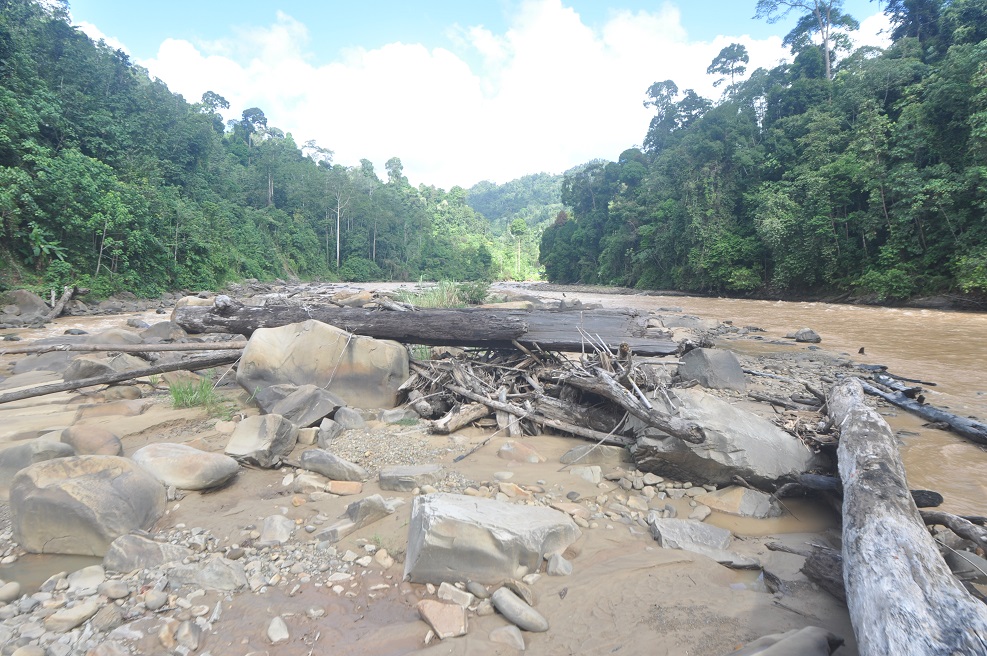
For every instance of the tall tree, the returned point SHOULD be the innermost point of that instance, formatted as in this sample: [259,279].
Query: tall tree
[822,18]
[732,61]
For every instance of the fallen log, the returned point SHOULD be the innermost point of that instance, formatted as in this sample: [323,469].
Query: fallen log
[124,348]
[902,597]
[823,565]
[958,525]
[107,379]
[971,429]
[551,330]
[459,417]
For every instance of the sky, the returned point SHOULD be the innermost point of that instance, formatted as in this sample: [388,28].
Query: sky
[460,91]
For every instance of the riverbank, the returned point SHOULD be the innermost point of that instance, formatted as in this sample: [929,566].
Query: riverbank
[625,591]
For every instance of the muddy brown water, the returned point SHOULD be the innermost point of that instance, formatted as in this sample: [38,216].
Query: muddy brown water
[946,348]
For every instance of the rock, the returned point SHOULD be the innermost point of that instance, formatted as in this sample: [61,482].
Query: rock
[359,514]
[518,612]
[307,405]
[396,415]
[405,478]
[447,620]
[130,552]
[9,592]
[328,431]
[262,440]
[697,537]
[217,573]
[185,467]
[116,408]
[155,599]
[80,504]
[519,452]
[742,501]
[267,397]
[558,566]
[106,619]
[738,443]
[599,454]
[808,641]
[86,580]
[966,566]
[89,366]
[164,331]
[276,529]
[308,436]
[188,635]
[363,371]
[449,592]
[700,513]
[477,589]
[92,440]
[349,419]
[455,537]
[332,466]
[29,650]
[807,335]
[508,635]
[114,589]
[66,619]
[15,458]
[344,488]
[277,631]
[713,369]
[591,474]
[29,305]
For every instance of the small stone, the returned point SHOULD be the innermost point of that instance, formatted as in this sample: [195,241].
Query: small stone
[700,512]
[155,599]
[384,559]
[508,635]
[591,473]
[344,488]
[518,452]
[9,592]
[558,566]
[517,611]
[68,618]
[113,589]
[29,650]
[449,592]
[277,631]
[447,620]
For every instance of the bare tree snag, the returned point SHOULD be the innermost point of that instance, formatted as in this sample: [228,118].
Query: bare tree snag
[67,293]
[971,429]
[551,330]
[902,597]
[107,379]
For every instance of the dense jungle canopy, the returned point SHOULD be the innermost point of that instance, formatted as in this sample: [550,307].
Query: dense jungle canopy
[840,171]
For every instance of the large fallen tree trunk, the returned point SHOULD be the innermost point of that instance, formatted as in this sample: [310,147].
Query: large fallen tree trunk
[125,348]
[108,379]
[901,595]
[969,428]
[551,330]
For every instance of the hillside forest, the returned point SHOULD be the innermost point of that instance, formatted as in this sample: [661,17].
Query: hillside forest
[839,171]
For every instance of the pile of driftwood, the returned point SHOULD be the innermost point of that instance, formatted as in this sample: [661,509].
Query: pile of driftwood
[591,397]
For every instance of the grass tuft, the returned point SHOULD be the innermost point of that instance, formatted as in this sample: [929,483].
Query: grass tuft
[193,394]
[447,294]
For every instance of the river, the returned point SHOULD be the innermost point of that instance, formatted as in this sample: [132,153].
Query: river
[947,348]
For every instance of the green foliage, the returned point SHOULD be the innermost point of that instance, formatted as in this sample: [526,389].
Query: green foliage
[193,393]
[446,294]
[360,269]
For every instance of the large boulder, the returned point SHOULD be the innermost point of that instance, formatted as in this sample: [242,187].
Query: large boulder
[454,537]
[262,440]
[363,371]
[713,369]
[307,405]
[738,443]
[91,440]
[80,504]
[165,331]
[89,366]
[15,458]
[332,466]
[186,467]
[29,306]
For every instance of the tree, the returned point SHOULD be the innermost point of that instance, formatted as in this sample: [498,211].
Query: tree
[823,18]
[732,61]
[519,229]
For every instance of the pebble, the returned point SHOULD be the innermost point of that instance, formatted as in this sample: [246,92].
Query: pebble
[29,650]
[477,589]
[508,635]
[113,589]
[277,631]
[9,592]
[558,566]
[155,599]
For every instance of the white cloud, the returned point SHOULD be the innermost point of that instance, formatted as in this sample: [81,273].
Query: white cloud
[96,34]
[547,94]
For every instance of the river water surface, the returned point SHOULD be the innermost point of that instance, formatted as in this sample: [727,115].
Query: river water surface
[946,348]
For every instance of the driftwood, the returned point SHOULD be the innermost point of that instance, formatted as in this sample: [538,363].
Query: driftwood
[971,429]
[459,417]
[902,597]
[551,330]
[958,525]
[124,348]
[107,379]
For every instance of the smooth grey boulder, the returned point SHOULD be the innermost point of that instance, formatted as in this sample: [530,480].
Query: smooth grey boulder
[130,552]
[262,440]
[405,478]
[453,537]
[307,405]
[267,397]
[364,372]
[15,458]
[332,466]
[89,366]
[697,537]
[217,573]
[713,369]
[518,612]
[349,419]
[80,504]
[29,305]
[186,467]
[164,331]
[738,443]
[807,336]
[359,514]
[328,431]
[88,439]
[597,454]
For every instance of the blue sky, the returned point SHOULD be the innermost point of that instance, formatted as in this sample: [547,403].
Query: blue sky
[460,91]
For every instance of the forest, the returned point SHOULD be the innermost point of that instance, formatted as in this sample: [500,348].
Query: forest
[110,181]
[841,172]
[838,172]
